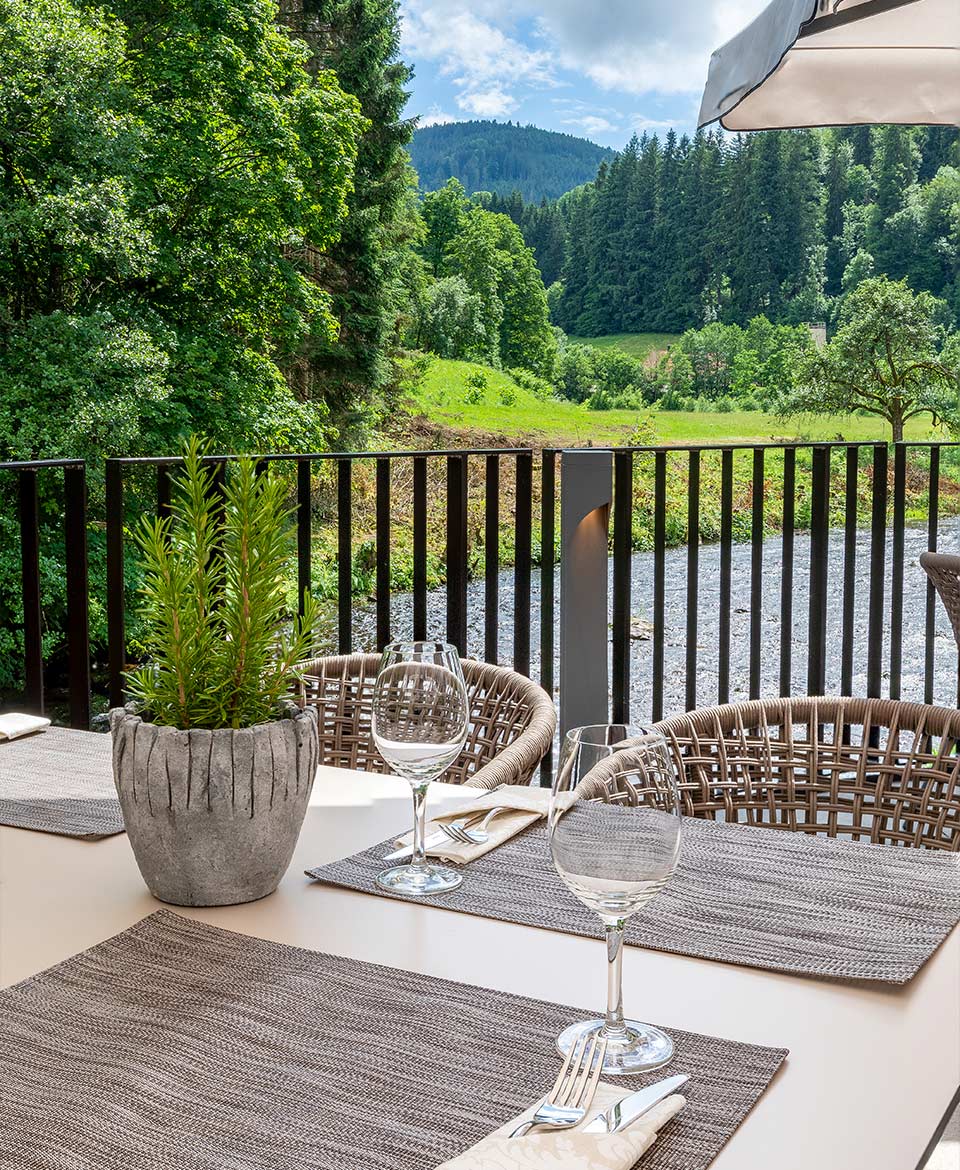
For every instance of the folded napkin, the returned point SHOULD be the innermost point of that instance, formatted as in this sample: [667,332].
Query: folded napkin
[570,1149]
[15,724]
[527,805]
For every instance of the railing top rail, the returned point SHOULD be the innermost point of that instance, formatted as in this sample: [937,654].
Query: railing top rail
[174,460]
[39,464]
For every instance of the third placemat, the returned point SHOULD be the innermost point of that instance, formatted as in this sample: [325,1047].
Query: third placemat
[766,898]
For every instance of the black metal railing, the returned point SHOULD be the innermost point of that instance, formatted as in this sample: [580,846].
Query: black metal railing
[456,551]
[804,579]
[74,517]
[858,643]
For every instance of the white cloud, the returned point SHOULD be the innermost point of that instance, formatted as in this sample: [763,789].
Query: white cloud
[435,117]
[638,46]
[494,102]
[591,124]
[642,124]
[478,56]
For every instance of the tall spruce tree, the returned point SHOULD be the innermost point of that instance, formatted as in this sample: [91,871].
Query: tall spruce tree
[360,41]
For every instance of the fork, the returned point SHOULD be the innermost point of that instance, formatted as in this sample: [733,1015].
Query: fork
[572,1094]
[464,833]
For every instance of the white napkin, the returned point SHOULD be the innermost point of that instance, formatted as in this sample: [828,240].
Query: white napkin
[570,1149]
[15,724]
[527,804]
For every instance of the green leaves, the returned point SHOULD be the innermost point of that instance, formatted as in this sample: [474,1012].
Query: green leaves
[221,653]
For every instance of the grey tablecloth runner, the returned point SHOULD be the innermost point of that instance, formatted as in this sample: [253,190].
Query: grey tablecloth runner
[179,1046]
[758,897]
[59,781]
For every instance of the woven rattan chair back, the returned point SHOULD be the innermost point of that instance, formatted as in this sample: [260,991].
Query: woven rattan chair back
[943,570]
[873,770]
[512,720]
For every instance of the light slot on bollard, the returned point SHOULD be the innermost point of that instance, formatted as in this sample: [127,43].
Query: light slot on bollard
[586,493]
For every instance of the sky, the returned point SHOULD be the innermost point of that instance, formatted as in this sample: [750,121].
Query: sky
[601,69]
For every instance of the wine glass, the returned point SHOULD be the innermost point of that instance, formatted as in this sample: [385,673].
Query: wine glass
[420,721]
[615,837]
[583,747]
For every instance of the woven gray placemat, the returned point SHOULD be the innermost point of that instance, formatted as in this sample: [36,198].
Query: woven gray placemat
[757,897]
[180,1046]
[60,781]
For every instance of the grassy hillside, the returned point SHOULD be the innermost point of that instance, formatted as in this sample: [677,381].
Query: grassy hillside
[505,411]
[637,345]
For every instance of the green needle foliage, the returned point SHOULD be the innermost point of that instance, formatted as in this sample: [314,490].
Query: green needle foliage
[214,601]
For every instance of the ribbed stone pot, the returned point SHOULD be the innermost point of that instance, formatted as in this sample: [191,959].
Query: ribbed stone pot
[214,816]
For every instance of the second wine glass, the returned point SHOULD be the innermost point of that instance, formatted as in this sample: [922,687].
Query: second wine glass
[615,838]
[420,720]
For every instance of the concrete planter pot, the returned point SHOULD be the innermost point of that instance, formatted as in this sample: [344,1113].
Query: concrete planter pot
[214,816]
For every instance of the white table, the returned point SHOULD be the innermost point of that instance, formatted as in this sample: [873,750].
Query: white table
[871,1071]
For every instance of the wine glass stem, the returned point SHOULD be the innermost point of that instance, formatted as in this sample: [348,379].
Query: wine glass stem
[614,1025]
[419,824]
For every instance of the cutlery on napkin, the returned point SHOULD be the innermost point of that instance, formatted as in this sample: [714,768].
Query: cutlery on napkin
[570,1149]
[526,804]
[14,725]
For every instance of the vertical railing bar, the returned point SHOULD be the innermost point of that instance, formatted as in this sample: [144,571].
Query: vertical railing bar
[344,556]
[659,579]
[622,581]
[383,551]
[304,533]
[850,518]
[787,548]
[693,570]
[896,577]
[457,551]
[756,571]
[116,631]
[78,594]
[726,574]
[548,498]
[30,590]
[522,559]
[819,549]
[491,559]
[933,525]
[878,546]
[163,490]
[420,548]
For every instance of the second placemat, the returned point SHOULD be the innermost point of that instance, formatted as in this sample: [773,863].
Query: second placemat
[60,781]
[181,1046]
[756,897]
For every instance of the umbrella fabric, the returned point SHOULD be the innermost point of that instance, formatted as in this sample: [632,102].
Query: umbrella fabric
[822,63]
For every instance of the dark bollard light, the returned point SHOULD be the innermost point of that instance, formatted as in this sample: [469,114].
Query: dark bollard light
[585,500]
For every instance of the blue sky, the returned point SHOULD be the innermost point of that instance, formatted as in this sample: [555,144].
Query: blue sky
[602,69]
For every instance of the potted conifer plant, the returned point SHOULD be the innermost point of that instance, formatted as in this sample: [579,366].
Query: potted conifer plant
[212,762]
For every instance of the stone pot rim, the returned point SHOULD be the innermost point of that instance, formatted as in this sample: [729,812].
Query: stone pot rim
[295,714]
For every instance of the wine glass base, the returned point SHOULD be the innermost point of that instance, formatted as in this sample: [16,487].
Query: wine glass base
[639,1048]
[419,880]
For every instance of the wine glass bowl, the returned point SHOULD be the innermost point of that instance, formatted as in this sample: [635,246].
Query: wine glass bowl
[615,839]
[420,720]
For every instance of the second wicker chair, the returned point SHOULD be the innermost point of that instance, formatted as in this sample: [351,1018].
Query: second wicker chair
[874,770]
[512,720]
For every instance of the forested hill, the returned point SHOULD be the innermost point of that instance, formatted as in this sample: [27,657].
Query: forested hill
[503,157]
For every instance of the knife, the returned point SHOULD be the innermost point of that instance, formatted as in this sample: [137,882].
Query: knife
[431,842]
[629,1109]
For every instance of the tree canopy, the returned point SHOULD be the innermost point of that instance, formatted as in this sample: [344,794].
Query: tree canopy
[886,359]
[162,170]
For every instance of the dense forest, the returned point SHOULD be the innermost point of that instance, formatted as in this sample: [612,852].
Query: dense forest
[676,233]
[502,157]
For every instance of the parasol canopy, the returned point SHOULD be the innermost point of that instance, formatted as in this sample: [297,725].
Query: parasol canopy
[839,63]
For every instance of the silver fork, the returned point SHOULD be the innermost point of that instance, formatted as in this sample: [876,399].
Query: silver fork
[572,1094]
[465,834]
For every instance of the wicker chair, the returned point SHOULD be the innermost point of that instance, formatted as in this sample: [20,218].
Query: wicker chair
[512,720]
[875,770]
[944,573]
